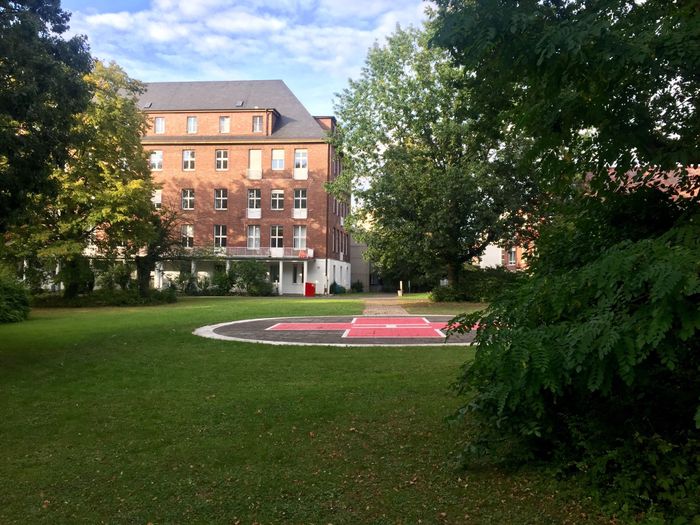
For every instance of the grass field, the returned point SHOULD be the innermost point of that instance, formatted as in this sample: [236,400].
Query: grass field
[122,416]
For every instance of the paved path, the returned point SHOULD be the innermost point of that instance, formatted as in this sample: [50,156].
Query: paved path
[383,306]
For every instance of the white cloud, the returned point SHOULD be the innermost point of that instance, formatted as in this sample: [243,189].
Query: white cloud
[241,22]
[313,44]
[122,20]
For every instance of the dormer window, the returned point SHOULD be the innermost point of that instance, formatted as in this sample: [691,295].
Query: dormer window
[257,124]
[191,124]
[159,125]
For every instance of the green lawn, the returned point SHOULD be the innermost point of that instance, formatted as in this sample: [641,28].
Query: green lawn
[122,416]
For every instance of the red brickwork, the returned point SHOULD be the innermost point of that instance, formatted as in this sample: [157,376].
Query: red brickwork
[325,234]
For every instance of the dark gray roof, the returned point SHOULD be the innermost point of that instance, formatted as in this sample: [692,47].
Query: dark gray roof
[294,122]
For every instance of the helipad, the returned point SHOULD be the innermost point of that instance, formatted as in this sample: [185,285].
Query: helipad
[339,331]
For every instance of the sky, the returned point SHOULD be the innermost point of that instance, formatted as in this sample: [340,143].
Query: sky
[315,46]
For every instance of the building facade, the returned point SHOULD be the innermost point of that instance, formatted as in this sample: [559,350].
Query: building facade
[244,165]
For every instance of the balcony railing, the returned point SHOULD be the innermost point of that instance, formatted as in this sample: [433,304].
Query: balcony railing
[278,253]
[254,173]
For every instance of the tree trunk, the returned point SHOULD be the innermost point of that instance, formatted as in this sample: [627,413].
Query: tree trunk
[452,273]
[144,266]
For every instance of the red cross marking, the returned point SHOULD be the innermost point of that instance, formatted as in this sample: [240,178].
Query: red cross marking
[376,327]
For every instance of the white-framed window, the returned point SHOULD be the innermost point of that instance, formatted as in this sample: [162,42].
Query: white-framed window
[157,199]
[300,199]
[301,164]
[276,236]
[156,161]
[277,159]
[224,124]
[512,256]
[254,199]
[188,199]
[159,125]
[299,238]
[220,236]
[221,156]
[257,124]
[220,199]
[301,159]
[300,211]
[188,159]
[191,124]
[253,237]
[277,200]
[187,235]
[255,164]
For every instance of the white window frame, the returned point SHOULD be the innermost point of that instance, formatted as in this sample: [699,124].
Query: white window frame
[221,199]
[301,164]
[253,237]
[224,124]
[254,171]
[254,198]
[188,160]
[187,235]
[187,198]
[276,236]
[159,125]
[299,238]
[254,210]
[221,159]
[191,124]
[220,236]
[277,160]
[277,200]
[300,206]
[512,256]
[257,124]
[155,161]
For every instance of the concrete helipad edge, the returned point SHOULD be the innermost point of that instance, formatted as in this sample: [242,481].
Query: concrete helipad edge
[208,332]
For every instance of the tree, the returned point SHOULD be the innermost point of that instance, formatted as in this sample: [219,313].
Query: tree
[429,197]
[104,189]
[594,84]
[41,91]
[592,360]
[162,244]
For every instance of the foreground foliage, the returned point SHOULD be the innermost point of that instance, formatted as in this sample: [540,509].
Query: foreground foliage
[594,361]
[104,188]
[14,298]
[41,91]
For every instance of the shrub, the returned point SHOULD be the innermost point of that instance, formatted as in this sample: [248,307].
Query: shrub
[14,298]
[250,277]
[116,274]
[357,287]
[221,283]
[77,276]
[186,283]
[105,297]
[476,284]
[337,289]
[594,365]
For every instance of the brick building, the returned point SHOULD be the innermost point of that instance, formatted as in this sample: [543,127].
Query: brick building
[244,164]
